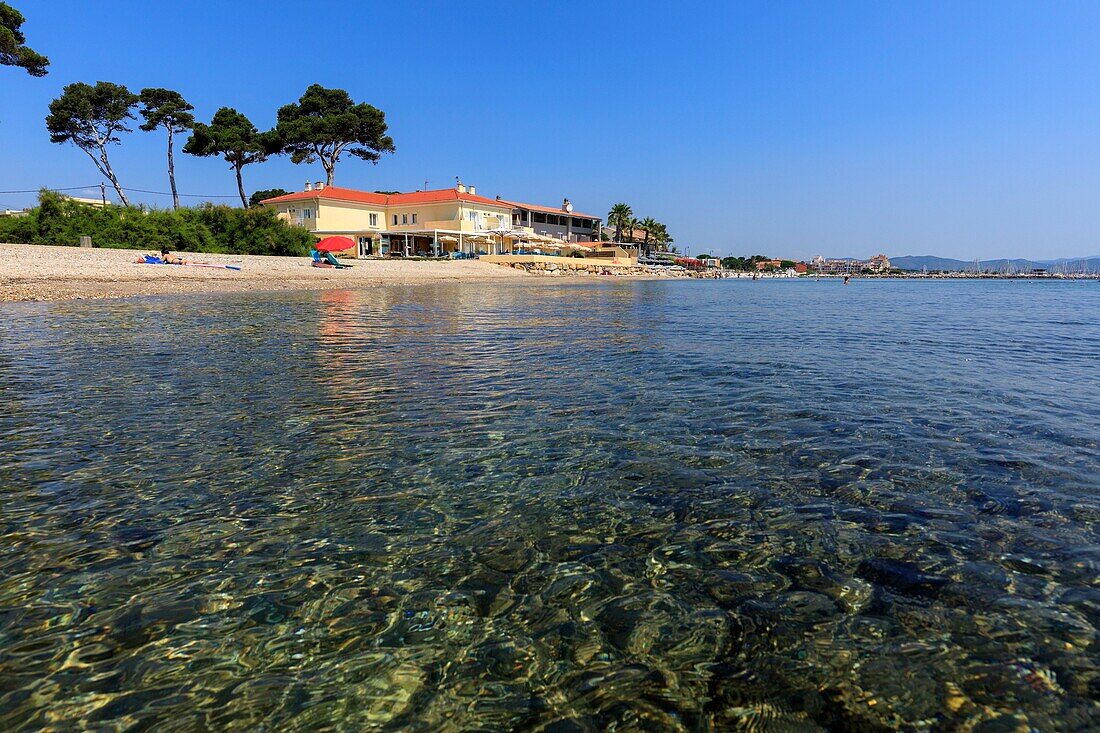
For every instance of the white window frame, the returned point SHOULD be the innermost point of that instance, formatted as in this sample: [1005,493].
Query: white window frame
[374,220]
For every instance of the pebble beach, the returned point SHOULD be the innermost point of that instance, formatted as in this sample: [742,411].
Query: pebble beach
[31,272]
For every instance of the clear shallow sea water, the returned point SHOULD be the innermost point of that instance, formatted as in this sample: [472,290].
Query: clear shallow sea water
[631,506]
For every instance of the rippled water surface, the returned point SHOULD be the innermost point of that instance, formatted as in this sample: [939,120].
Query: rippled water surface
[630,506]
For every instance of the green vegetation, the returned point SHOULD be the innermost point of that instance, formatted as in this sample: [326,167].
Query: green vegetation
[742,264]
[620,217]
[205,228]
[91,118]
[13,48]
[324,124]
[656,235]
[267,193]
[232,136]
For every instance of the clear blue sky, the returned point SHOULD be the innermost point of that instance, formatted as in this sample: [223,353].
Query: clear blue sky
[959,129]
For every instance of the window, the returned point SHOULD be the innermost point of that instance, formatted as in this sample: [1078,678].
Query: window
[414,218]
[395,219]
[307,213]
[538,218]
[523,216]
[404,218]
[374,220]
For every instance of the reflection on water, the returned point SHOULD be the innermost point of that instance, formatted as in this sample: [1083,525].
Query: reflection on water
[639,506]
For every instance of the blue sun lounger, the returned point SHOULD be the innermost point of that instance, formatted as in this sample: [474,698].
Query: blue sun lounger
[331,259]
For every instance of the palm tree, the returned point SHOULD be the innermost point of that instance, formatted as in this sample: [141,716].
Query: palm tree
[632,226]
[662,237]
[619,215]
[650,226]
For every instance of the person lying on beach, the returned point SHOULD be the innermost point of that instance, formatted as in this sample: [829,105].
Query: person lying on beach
[165,258]
[169,259]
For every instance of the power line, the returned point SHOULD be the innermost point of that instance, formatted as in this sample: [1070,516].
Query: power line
[189,195]
[36,190]
[136,190]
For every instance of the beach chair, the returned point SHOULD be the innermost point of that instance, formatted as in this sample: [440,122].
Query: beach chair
[331,259]
[317,261]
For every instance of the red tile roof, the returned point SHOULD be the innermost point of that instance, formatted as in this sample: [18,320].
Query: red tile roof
[546,209]
[444,194]
[332,192]
[380,199]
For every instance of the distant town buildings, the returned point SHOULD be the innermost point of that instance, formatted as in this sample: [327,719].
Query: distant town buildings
[769,264]
[879,264]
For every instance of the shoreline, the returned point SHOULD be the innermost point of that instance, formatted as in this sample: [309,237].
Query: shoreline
[35,272]
[40,272]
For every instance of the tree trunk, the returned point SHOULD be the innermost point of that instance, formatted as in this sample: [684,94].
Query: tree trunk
[330,170]
[240,185]
[172,173]
[110,173]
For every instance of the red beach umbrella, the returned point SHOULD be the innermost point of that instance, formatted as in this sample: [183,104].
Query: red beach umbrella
[334,244]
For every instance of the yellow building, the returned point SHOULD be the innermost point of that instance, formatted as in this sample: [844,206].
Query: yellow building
[422,222]
[438,222]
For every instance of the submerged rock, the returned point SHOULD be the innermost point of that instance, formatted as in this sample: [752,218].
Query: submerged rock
[903,577]
[851,594]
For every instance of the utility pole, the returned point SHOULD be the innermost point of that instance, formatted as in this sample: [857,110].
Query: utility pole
[103,193]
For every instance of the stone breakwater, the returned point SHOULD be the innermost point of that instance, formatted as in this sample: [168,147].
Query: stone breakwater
[584,268]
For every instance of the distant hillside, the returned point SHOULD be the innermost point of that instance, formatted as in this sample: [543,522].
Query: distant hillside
[916,263]
[919,262]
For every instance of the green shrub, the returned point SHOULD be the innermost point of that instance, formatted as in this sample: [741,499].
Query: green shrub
[206,228]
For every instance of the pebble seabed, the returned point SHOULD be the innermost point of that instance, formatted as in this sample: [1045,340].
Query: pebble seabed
[299,555]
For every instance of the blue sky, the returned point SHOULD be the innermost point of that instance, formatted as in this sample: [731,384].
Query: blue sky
[959,129]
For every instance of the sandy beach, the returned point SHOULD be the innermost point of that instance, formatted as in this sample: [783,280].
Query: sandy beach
[40,272]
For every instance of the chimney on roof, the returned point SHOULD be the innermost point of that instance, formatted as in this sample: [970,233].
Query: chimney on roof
[459,185]
[309,186]
[566,205]
[498,197]
[320,186]
[473,190]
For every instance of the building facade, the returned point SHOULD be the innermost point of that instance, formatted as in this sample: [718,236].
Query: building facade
[380,224]
[436,222]
[562,223]
[879,264]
